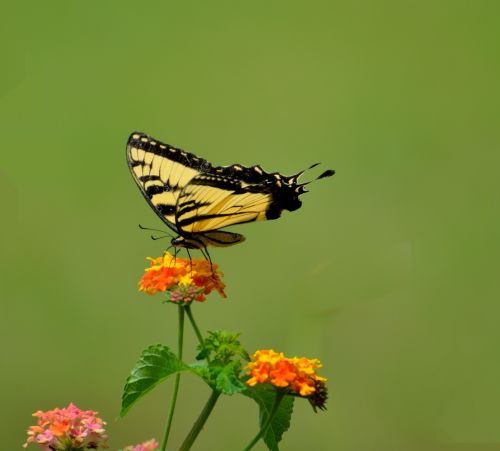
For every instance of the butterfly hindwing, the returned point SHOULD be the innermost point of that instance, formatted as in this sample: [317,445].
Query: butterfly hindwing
[212,201]
[220,238]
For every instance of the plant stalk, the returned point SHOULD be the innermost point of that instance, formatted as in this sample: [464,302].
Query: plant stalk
[180,338]
[200,422]
[193,323]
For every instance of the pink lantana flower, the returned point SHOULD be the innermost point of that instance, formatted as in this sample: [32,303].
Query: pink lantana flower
[67,429]
[150,445]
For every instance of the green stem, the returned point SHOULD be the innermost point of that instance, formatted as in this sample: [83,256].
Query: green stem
[193,323]
[277,401]
[177,379]
[200,422]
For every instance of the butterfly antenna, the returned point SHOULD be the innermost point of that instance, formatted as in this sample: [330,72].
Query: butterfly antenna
[158,237]
[155,230]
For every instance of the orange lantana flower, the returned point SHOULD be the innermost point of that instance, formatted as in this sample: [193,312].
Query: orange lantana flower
[185,279]
[297,374]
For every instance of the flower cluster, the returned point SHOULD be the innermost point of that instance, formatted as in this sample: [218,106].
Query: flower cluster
[150,445]
[67,429]
[297,373]
[184,279]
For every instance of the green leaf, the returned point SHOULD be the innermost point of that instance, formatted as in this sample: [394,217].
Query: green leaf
[201,369]
[227,380]
[281,423]
[224,379]
[223,346]
[156,363]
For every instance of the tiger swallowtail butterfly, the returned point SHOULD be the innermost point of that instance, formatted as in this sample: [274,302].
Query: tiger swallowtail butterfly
[196,199]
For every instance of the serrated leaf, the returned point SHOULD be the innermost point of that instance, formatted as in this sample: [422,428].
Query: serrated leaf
[281,423]
[227,380]
[201,369]
[155,364]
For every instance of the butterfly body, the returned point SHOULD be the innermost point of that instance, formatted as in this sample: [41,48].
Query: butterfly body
[196,199]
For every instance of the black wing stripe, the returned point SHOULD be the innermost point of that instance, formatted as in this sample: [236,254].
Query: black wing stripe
[149,178]
[193,219]
[190,206]
[156,189]
[228,184]
[166,209]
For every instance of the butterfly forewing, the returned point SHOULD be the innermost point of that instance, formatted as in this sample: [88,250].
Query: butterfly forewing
[161,172]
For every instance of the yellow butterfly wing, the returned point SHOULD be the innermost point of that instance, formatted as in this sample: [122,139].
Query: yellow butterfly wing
[162,171]
[210,202]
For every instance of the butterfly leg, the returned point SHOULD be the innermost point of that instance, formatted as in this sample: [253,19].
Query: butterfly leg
[176,251]
[190,260]
[206,254]
[167,249]
[202,250]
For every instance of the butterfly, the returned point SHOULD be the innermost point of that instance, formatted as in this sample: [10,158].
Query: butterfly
[196,199]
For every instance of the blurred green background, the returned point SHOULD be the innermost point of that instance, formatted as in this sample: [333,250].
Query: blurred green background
[388,273]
